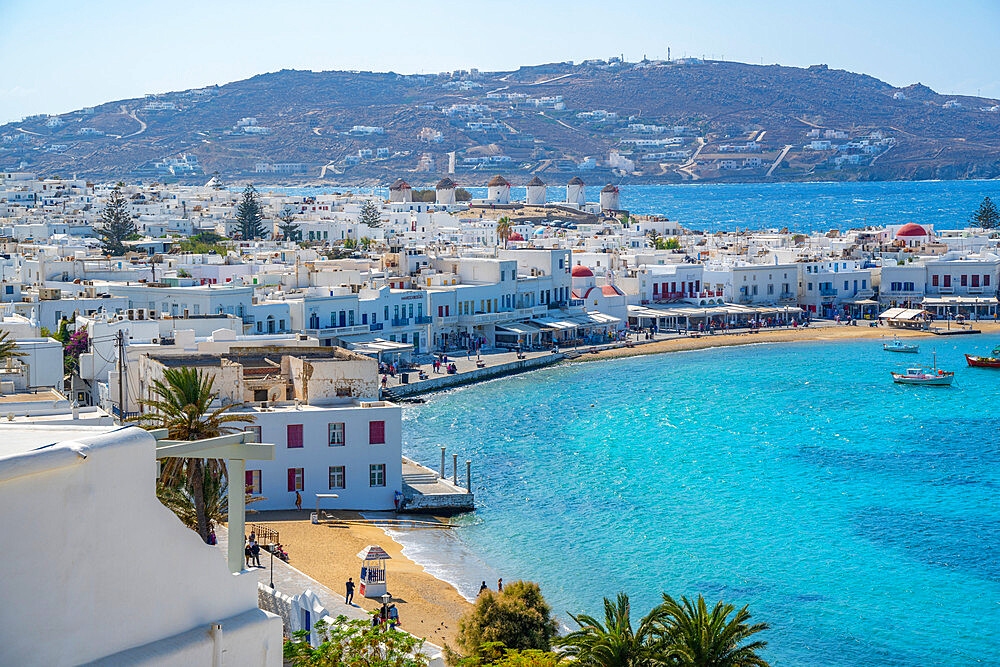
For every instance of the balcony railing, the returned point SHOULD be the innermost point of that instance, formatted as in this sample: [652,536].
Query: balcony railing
[400,321]
[422,319]
[375,327]
[828,291]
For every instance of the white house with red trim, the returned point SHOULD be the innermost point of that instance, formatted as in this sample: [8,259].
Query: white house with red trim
[607,299]
[319,407]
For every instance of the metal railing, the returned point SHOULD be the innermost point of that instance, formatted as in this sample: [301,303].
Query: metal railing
[265,536]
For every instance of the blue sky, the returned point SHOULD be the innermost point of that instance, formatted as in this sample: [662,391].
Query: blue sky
[60,56]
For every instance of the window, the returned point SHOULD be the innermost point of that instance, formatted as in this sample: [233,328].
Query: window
[934,280]
[376,474]
[947,281]
[259,395]
[296,478]
[965,280]
[986,280]
[255,430]
[337,434]
[975,280]
[337,477]
[376,433]
[253,482]
[294,435]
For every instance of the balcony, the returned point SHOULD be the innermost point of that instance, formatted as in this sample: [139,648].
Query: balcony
[337,331]
[743,298]
[400,321]
[422,319]
[575,303]
[375,327]
[786,296]
[828,291]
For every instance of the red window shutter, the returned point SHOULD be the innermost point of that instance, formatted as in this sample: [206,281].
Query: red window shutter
[249,479]
[294,435]
[376,433]
[291,479]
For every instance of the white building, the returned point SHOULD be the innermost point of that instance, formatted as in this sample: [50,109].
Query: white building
[114,576]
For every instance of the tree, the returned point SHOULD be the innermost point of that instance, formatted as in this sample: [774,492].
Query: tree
[250,215]
[369,214]
[117,223]
[8,348]
[504,230]
[699,638]
[354,643]
[76,344]
[625,220]
[183,406]
[519,618]
[180,499]
[615,643]
[289,230]
[498,655]
[673,243]
[987,216]
[203,244]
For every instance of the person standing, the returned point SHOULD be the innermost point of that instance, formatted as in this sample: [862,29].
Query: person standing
[500,585]
[255,552]
[246,552]
[483,588]
[350,590]
[298,500]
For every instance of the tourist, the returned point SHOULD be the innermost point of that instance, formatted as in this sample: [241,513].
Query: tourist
[255,552]
[212,539]
[350,590]
[500,585]
[483,588]
[247,553]
[298,500]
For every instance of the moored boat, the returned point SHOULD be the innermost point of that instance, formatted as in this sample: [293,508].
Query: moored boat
[984,362]
[932,377]
[899,346]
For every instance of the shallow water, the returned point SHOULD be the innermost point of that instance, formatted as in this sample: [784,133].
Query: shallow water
[858,517]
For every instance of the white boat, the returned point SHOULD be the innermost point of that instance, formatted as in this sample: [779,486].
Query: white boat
[932,377]
[899,346]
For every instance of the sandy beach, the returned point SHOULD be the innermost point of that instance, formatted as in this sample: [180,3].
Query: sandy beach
[428,607]
[838,332]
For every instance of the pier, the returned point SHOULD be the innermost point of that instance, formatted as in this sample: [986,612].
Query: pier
[426,491]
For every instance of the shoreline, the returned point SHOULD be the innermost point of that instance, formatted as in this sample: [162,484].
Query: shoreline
[429,603]
[823,333]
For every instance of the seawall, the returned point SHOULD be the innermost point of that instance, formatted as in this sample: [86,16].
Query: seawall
[445,381]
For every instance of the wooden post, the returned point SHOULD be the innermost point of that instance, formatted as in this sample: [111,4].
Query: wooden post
[442,462]
[236,469]
[468,475]
[454,469]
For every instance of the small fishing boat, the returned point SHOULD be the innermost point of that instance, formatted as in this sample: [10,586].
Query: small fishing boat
[984,362]
[932,377]
[899,346]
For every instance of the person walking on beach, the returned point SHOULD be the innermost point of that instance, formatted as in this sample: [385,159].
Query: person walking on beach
[483,588]
[298,500]
[350,590]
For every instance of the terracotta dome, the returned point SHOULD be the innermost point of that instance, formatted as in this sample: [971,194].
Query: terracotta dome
[580,271]
[911,229]
[515,237]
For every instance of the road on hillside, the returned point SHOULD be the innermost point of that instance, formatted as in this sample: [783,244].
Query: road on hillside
[781,156]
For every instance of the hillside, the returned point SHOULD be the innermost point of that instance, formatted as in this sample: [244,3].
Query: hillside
[641,122]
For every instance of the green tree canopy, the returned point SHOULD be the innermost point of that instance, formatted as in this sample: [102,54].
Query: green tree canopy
[698,637]
[117,225]
[615,643]
[354,643]
[987,216]
[369,214]
[289,230]
[250,215]
[519,618]
[182,405]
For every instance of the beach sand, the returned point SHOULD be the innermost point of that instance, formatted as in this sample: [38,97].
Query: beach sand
[428,607]
[839,332]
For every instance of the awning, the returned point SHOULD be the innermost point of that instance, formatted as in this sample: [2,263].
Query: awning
[524,328]
[602,318]
[902,314]
[373,552]
[380,345]
[550,323]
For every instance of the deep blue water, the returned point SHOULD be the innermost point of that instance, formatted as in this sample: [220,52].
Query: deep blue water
[859,518]
[802,207]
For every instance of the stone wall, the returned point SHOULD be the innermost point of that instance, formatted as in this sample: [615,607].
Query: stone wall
[478,375]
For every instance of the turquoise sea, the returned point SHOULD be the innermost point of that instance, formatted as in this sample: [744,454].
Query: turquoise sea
[859,518]
[802,207]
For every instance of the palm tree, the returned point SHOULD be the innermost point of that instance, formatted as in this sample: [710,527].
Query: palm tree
[699,638]
[9,349]
[183,406]
[615,643]
[181,500]
[504,230]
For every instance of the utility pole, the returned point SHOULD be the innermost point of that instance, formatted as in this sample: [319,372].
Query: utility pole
[121,376]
